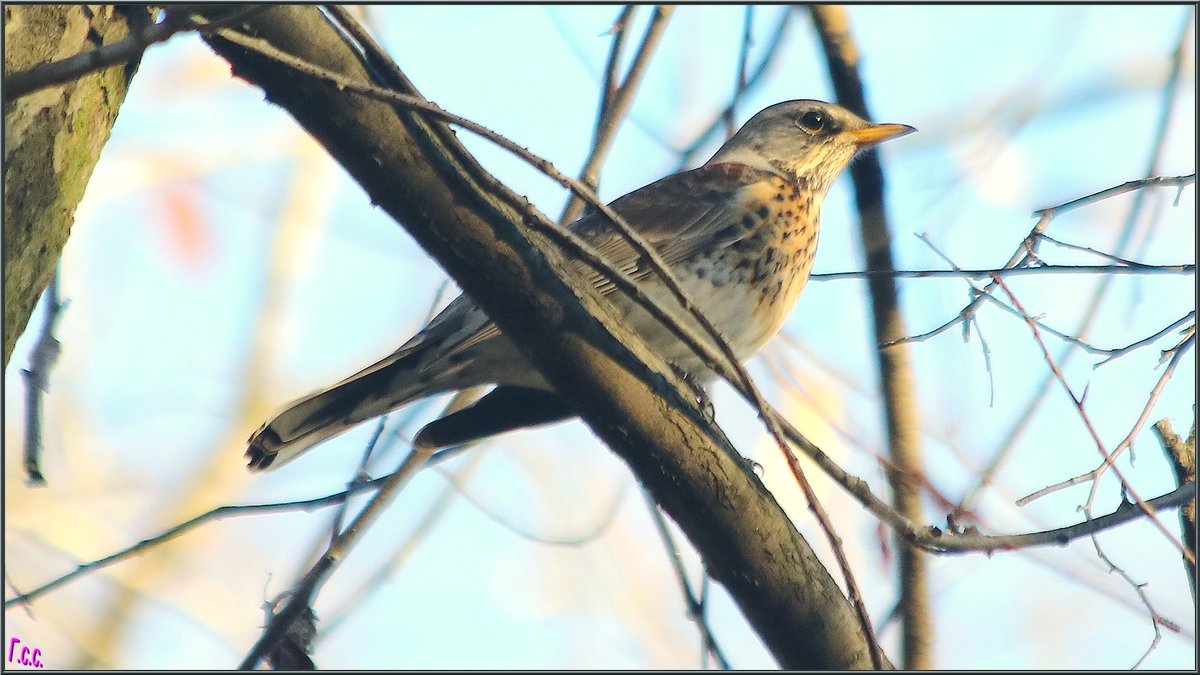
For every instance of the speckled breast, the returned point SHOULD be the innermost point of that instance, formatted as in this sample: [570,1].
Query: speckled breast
[748,287]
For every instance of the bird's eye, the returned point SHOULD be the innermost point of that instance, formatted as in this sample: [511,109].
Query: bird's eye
[812,121]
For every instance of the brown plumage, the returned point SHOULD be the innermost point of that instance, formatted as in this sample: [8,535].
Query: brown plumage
[739,233]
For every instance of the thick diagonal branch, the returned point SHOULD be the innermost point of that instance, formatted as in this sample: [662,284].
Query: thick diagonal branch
[416,171]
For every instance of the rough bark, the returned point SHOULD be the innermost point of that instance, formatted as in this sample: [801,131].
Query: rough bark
[1181,454]
[417,172]
[52,140]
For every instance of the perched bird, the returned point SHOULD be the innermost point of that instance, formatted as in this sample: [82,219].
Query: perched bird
[739,233]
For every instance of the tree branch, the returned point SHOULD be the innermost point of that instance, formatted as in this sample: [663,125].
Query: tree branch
[1182,456]
[418,173]
[970,541]
[616,101]
[37,382]
[178,20]
[895,369]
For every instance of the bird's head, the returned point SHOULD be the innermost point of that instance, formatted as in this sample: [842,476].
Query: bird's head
[809,141]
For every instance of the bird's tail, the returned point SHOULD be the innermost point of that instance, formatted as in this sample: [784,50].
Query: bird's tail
[374,391]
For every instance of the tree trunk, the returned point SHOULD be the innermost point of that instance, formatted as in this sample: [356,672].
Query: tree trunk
[52,139]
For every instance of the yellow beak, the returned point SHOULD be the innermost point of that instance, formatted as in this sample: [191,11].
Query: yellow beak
[877,133]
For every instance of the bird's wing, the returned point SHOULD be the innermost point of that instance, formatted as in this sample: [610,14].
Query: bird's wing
[704,209]
[681,216]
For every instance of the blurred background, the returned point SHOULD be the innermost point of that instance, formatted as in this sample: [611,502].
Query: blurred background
[221,265]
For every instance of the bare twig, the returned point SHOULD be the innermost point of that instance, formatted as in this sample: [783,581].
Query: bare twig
[1156,619]
[739,88]
[460,399]
[1170,87]
[178,19]
[971,322]
[1125,485]
[1023,262]
[1088,249]
[432,516]
[37,382]
[590,534]
[772,51]
[301,593]
[1174,355]
[360,476]
[1112,353]
[608,88]
[971,541]
[292,652]
[25,606]
[1121,351]
[178,530]
[616,100]
[832,24]
[695,607]
[1131,268]
[1178,182]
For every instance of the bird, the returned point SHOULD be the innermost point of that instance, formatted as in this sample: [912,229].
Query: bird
[739,233]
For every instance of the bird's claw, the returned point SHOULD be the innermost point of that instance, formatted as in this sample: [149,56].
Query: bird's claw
[698,390]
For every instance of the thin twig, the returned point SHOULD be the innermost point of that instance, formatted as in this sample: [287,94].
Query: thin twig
[1131,268]
[303,590]
[574,540]
[1086,346]
[1125,485]
[1170,87]
[608,88]
[9,582]
[1021,259]
[695,608]
[971,322]
[971,541]
[616,101]
[1176,353]
[186,526]
[1088,249]
[1178,182]
[178,19]
[770,54]
[1121,351]
[425,525]
[1156,619]
[37,382]
[894,365]
[360,476]
[361,473]
[739,88]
